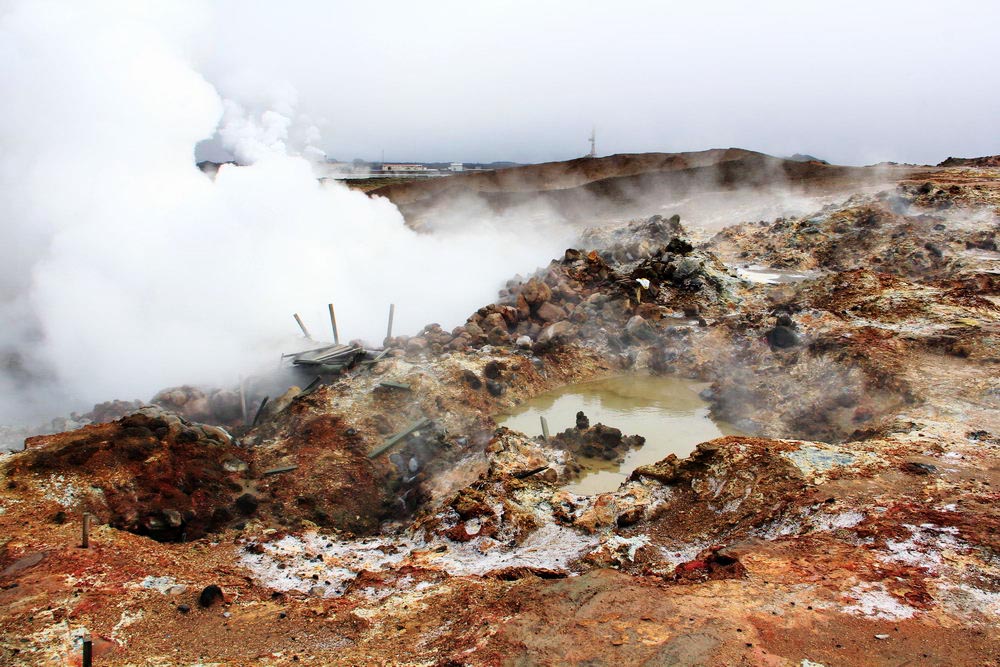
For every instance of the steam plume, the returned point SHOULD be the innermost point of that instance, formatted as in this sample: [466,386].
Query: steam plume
[124,269]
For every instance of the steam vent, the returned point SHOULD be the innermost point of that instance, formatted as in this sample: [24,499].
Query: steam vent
[712,408]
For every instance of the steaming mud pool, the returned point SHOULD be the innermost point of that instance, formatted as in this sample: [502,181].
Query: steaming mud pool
[665,410]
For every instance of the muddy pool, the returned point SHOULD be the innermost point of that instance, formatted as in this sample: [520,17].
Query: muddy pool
[666,410]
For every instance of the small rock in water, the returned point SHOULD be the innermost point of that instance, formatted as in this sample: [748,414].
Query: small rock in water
[582,422]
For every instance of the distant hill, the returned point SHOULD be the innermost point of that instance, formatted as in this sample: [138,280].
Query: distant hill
[621,185]
[985,161]
[802,157]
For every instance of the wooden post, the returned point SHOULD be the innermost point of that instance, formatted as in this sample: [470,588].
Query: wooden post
[85,542]
[302,326]
[545,428]
[392,313]
[333,323]
[88,652]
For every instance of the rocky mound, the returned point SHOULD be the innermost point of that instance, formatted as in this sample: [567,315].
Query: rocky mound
[151,473]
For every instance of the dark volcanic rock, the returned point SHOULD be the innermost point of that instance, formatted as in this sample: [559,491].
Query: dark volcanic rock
[781,337]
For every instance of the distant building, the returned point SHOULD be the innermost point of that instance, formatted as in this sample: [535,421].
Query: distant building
[456,166]
[408,168]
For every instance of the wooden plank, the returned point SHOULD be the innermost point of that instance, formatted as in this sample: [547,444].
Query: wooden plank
[399,437]
[302,326]
[276,471]
[395,385]
[310,388]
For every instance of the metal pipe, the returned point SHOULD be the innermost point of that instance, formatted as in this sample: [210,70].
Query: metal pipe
[545,428]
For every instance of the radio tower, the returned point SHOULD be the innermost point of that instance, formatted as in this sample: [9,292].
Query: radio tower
[593,142]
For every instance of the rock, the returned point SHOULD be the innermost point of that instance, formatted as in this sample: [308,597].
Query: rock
[495,388]
[234,465]
[416,344]
[491,371]
[679,246]
[183,608]
[917,468]
[785,320]
[511,315]
[782,337]
[572,255]
[494,321]
[523,309]
[602,514]
[556,333]
[523,342]
[472,379]
[550,312]
[582,422]
[686,267]
[498,336]
[247,503]
[882,637]
[173,518]
[639,328]
[535,293]
[458,344]
[210,595]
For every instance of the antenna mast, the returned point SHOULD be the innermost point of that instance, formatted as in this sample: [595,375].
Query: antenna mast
[593,142]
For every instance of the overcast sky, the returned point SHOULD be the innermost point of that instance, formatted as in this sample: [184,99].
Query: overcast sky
[852,82]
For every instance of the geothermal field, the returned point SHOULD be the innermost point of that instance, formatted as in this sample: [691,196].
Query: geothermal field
[263,407]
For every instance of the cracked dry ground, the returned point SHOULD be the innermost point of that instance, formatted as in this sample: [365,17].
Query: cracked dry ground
[855,524]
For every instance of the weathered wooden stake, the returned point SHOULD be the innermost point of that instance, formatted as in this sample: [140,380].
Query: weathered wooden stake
[333,322]
[85,542]
[545,428]
[305,332]
[88,652]
[392,313]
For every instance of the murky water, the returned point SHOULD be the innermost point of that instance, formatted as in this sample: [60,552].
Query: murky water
[667,411]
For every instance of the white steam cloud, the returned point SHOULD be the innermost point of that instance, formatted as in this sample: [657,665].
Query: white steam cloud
[124,269]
